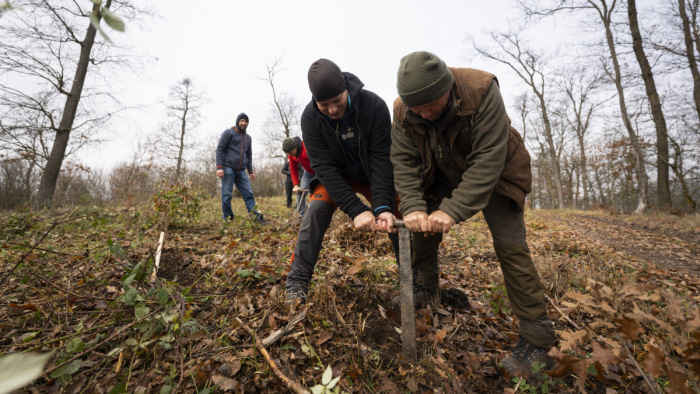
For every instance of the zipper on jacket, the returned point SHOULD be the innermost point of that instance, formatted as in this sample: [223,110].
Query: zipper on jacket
[240,164]
[436,143]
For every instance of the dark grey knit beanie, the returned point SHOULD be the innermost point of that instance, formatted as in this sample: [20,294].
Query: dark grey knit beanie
[288,145]
[423,77]
[325,80]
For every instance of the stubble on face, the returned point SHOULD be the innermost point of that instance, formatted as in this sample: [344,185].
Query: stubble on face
[334,108]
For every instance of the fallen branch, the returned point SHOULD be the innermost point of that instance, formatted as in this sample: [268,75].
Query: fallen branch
[341,319]
[652,387]
[562,313]
[278,334]
[294,386]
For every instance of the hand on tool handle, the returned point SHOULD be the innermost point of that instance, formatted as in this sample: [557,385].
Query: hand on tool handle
[383,223]
[437,222]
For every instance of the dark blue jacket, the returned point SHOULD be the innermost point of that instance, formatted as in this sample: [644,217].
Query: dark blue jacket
[328,159]
[235,149]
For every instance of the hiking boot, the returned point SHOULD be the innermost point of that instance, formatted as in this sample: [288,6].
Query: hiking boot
[421,294]
[296,292]
[527,360]
[261,219]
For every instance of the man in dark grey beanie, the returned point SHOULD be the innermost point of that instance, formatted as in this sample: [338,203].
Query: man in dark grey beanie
[453,122]
[347,134]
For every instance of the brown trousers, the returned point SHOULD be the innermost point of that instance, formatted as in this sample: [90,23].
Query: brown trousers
[505,220]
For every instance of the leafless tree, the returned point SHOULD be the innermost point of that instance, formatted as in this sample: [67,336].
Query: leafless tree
[184,103]
[605,11]
[46,49]
[284,118]
[580,87]
[657,114]
[531,66]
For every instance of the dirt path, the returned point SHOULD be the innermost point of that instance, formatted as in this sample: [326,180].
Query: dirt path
[659,245]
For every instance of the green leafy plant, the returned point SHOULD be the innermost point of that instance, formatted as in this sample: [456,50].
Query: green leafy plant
[328,383]
[177,204]
[499,300]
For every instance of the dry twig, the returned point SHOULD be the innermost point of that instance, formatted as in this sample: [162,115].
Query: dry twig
[278,334]
[562,313]
[294,386]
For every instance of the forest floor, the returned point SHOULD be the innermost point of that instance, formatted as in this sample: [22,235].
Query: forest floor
[623,291]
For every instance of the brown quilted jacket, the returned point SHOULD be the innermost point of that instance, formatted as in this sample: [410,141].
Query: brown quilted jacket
[483,145]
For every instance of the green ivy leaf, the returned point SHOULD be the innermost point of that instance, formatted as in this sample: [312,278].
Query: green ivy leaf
[75,345]
[131,297]
[245,273]
[163,296]
[141,311]
[68,369]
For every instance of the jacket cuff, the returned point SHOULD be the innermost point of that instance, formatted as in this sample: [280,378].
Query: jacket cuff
[380,210]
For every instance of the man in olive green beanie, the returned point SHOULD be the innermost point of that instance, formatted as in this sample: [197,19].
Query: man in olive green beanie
[453,122]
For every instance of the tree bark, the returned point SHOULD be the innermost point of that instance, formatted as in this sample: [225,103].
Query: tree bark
[642,197]
[690,54]
[183,130]
[47,186]
[662,170]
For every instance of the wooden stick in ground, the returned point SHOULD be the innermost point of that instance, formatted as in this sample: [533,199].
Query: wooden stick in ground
[408,311]
[279,334]
[156,266]
[294,386]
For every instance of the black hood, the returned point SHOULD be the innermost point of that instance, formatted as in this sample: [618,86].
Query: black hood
[242,115]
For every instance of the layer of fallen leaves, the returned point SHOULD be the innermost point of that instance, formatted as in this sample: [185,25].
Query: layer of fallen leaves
[623,321]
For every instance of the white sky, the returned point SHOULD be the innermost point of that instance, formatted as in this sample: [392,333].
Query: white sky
[223,46]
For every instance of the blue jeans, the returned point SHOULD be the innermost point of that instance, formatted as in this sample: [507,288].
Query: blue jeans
[240,179]
[304,184]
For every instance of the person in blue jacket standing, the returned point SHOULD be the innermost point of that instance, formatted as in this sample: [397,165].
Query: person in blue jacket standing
[234,165]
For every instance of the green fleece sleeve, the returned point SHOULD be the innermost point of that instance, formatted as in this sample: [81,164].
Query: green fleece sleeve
[489,139]
[407,178]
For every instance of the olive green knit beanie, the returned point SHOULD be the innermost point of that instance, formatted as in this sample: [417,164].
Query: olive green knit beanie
[423,77]
[288,145]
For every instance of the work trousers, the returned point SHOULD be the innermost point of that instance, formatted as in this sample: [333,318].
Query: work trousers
[504,218]
[312,230]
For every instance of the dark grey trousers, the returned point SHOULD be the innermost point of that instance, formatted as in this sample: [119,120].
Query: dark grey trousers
[310,240]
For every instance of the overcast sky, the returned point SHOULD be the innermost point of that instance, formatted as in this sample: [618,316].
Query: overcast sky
[224,45]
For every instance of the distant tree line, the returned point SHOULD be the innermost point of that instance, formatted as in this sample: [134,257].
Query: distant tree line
[611,119]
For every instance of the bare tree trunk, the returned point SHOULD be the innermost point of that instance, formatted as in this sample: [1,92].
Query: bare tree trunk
[183,129]
[677,167]
[690,54]
[556,168]
[662,171]
[642,197]
[47,186]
